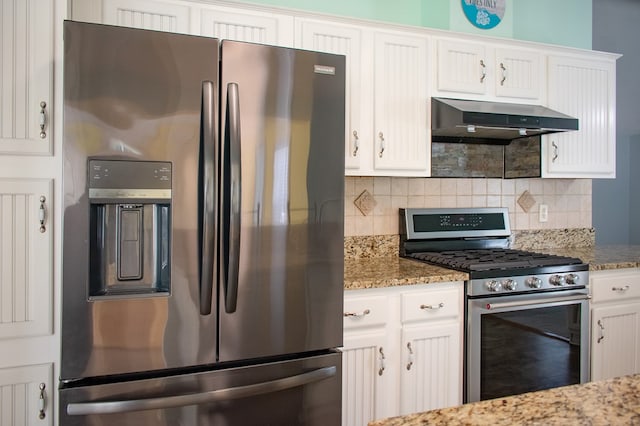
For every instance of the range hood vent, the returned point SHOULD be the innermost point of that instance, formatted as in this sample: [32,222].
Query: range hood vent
[465,121]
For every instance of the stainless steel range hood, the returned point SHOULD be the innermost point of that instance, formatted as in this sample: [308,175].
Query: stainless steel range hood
[465,121]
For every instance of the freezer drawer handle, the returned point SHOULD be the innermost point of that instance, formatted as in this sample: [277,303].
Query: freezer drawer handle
[124,406]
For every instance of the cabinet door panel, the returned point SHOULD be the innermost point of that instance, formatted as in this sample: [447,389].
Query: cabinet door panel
[365,372]
[146,14]
[584,89]
[402,139]
[20,393]
[518,73]
[343,40]
[615,342]
[264,28]
[25,258]
[462,67]
[431,367]
[26,50]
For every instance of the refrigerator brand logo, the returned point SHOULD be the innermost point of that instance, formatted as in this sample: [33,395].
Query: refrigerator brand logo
[324,69]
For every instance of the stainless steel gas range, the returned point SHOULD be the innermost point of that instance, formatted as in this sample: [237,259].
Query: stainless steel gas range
[526,313]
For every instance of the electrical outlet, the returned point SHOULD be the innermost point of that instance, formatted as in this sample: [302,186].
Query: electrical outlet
[543,213]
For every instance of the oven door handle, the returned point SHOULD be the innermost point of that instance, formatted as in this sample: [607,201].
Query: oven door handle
[491,306]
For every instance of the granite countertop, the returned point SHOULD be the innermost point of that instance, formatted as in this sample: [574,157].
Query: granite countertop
[607,402]
[392,271]
[389,271]
[602,257]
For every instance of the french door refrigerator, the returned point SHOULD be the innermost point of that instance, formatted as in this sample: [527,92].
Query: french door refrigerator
[203,231]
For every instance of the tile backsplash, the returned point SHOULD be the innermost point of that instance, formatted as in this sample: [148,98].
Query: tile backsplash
[568,200]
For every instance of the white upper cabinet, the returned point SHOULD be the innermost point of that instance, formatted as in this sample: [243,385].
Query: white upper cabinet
[489,71]
[386,125]
[26,85]
[245,25]
[145,14]
[585,88]
[344,40]
[462,67]
[402,141]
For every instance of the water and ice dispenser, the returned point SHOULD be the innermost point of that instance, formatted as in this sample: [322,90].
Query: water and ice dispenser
[130,228]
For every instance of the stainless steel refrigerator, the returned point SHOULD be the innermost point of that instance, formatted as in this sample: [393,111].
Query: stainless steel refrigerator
[203,231]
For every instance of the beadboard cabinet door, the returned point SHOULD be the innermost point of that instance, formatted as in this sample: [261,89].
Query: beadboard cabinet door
[26,395]
[616,341]
[26,258]
[144,14]
[244,25]
[430,377]
[401,131]
[584,88]
[26,76]
[343,40]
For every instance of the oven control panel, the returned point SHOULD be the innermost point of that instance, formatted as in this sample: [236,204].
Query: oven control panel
[564,280]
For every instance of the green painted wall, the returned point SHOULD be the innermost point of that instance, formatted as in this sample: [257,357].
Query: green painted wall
[563,22]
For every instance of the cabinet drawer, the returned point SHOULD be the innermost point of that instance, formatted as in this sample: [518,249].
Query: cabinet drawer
[421,306]
[615,287]
[365,311]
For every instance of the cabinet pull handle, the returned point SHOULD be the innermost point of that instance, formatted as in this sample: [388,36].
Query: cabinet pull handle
[357,315]
[601,331]
[356,143]
[382,358]
[381,136]
[555,151]
[42,402]
[410,363]
[483,71]
[43,119]
[620,289]
[42,214]
[504,74]
[438,306]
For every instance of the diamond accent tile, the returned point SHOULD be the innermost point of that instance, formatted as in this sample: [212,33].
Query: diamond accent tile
[526,201]
[365,202]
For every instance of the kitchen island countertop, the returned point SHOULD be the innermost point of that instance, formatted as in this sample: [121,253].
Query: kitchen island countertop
[607,402]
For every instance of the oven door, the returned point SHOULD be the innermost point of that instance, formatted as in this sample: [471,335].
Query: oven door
[525,343]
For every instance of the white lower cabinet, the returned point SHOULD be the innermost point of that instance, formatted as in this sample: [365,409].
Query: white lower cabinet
[26,395]
[402,351]
[615,323]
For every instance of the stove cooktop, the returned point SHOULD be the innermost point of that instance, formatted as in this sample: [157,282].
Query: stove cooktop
[493,259]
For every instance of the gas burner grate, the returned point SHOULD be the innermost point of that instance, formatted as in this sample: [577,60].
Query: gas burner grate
[493,259]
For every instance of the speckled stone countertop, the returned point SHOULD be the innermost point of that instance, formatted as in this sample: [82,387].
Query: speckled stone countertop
[607,402]
[602,257]
[392,271]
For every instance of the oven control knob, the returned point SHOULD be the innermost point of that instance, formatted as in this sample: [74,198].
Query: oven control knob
[533,282]
[494,285]
[572,278]
[510,284]
[557,280]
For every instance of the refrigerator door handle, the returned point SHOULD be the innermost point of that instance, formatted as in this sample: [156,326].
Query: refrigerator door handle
[234,142]
[111,407]
[207,180]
